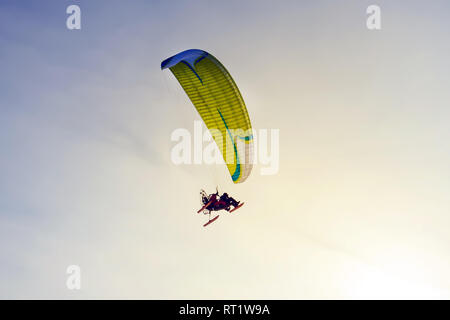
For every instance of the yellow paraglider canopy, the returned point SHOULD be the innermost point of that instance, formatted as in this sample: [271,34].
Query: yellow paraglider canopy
[218,101]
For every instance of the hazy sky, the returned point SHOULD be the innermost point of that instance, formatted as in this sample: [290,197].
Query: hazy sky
[359,209]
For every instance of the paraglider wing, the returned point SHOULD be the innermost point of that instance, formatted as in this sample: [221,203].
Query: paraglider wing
[218,101]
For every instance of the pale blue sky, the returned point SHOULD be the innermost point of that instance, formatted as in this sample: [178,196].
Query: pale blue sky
[359,208]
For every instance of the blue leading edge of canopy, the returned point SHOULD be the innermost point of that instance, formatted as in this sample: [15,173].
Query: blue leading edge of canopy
[189,57]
